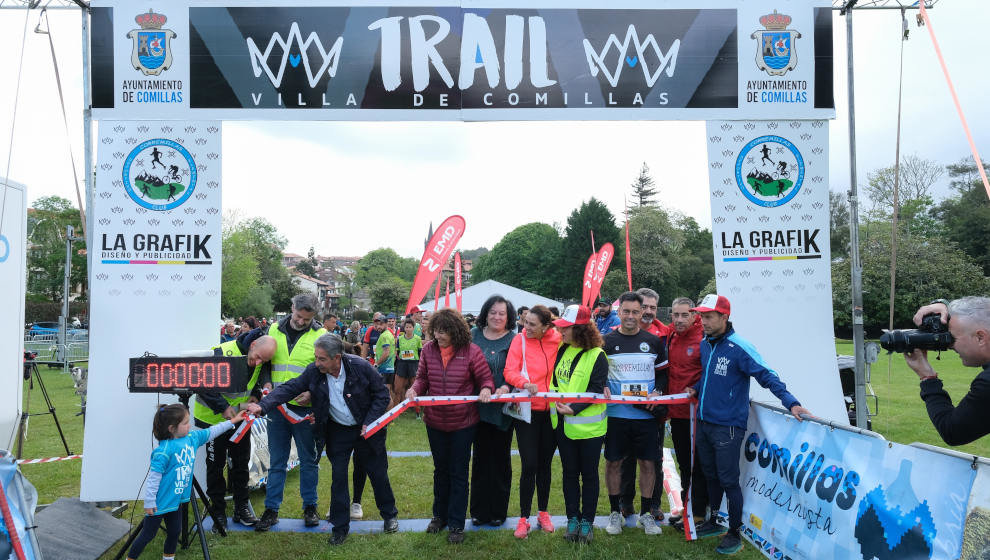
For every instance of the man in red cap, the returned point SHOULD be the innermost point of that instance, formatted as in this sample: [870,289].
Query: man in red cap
[416,314]
[728,362]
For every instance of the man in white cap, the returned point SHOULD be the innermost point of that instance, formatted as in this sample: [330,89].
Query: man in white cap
[728,361]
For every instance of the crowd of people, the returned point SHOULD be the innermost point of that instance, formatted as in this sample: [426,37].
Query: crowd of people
[321,384]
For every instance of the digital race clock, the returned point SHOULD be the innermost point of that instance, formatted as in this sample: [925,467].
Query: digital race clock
[215,374]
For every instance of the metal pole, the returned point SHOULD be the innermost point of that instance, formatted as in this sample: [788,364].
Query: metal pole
[855,264]
[87,146]
[63,351]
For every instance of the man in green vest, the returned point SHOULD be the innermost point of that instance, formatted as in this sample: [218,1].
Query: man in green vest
[294,336]
[211,409]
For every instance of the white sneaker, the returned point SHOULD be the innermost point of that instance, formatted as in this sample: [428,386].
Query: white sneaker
[356,512]
[648,524]
[615,522]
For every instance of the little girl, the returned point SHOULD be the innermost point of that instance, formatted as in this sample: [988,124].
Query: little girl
[170,478]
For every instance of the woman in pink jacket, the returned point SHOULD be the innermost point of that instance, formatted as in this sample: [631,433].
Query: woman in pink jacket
[529,366]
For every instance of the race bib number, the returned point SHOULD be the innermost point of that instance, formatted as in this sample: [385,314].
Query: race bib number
[634,390]
[408,355]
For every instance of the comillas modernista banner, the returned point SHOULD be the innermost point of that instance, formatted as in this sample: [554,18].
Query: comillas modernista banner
[154,282]
[468,60]
[811,491]
[770,228]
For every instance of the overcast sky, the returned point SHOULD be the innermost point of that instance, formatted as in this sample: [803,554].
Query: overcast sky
[347,188]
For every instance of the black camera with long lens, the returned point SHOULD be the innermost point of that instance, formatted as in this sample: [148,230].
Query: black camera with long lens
[933,334]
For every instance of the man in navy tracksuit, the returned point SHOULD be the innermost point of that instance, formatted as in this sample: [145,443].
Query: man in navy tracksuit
[727,361]
[347,394]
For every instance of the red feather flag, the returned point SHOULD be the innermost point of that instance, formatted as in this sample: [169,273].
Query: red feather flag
[436,295]
[602,263]
[457,278]
[628,258]
[586,282]
[446,295]
[437,253]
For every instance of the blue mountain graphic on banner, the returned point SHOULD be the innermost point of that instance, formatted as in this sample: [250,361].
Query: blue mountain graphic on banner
[892,524]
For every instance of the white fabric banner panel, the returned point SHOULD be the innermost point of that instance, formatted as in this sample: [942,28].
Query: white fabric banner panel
[154,282]
[13,236]
[770,228]
[463,60]
[811,491]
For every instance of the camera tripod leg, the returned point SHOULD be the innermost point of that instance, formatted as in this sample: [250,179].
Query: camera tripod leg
[34,373]
[199,520]
[51,409]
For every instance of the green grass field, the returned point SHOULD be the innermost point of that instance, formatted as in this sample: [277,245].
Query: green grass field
[902,419]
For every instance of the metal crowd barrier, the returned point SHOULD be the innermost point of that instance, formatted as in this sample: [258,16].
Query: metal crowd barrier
[48,350]
[45,346]
[77,352]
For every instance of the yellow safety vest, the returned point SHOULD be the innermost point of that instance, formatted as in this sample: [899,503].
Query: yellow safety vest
[592,421]
[204,413]
[288,366]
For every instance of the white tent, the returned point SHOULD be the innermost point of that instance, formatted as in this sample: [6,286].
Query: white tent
[474,297]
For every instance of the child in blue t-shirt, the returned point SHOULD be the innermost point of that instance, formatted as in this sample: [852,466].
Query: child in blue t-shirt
[170,476]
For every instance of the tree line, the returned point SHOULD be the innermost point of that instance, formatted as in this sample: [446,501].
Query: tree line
[943,250]
[942,246]
[670,252]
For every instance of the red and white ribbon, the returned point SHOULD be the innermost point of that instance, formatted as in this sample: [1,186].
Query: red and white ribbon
[292,417]
[672,484]
[591,398]
[244,428]
[47,460]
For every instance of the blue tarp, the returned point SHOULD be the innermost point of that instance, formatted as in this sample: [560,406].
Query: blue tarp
[21,499]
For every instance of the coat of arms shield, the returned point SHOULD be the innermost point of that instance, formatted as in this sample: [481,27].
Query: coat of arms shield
[152,52]
[775,52]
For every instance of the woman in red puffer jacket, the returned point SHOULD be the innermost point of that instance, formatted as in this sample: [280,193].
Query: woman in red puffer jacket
[451,365]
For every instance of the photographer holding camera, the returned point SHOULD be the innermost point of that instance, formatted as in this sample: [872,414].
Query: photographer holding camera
[968,321]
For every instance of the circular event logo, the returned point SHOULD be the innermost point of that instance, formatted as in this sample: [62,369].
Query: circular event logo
[159,174]
[4,248]
[774,171]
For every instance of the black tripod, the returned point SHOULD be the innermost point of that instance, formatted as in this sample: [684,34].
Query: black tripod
[31,374]
[185,539]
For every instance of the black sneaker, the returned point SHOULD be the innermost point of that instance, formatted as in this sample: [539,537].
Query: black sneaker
[219,522]
[244,515]
[436,525]
[310,517]
[731,543]
[455,536]
[337,539]
[710,529]
[391,525]
[267,521]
